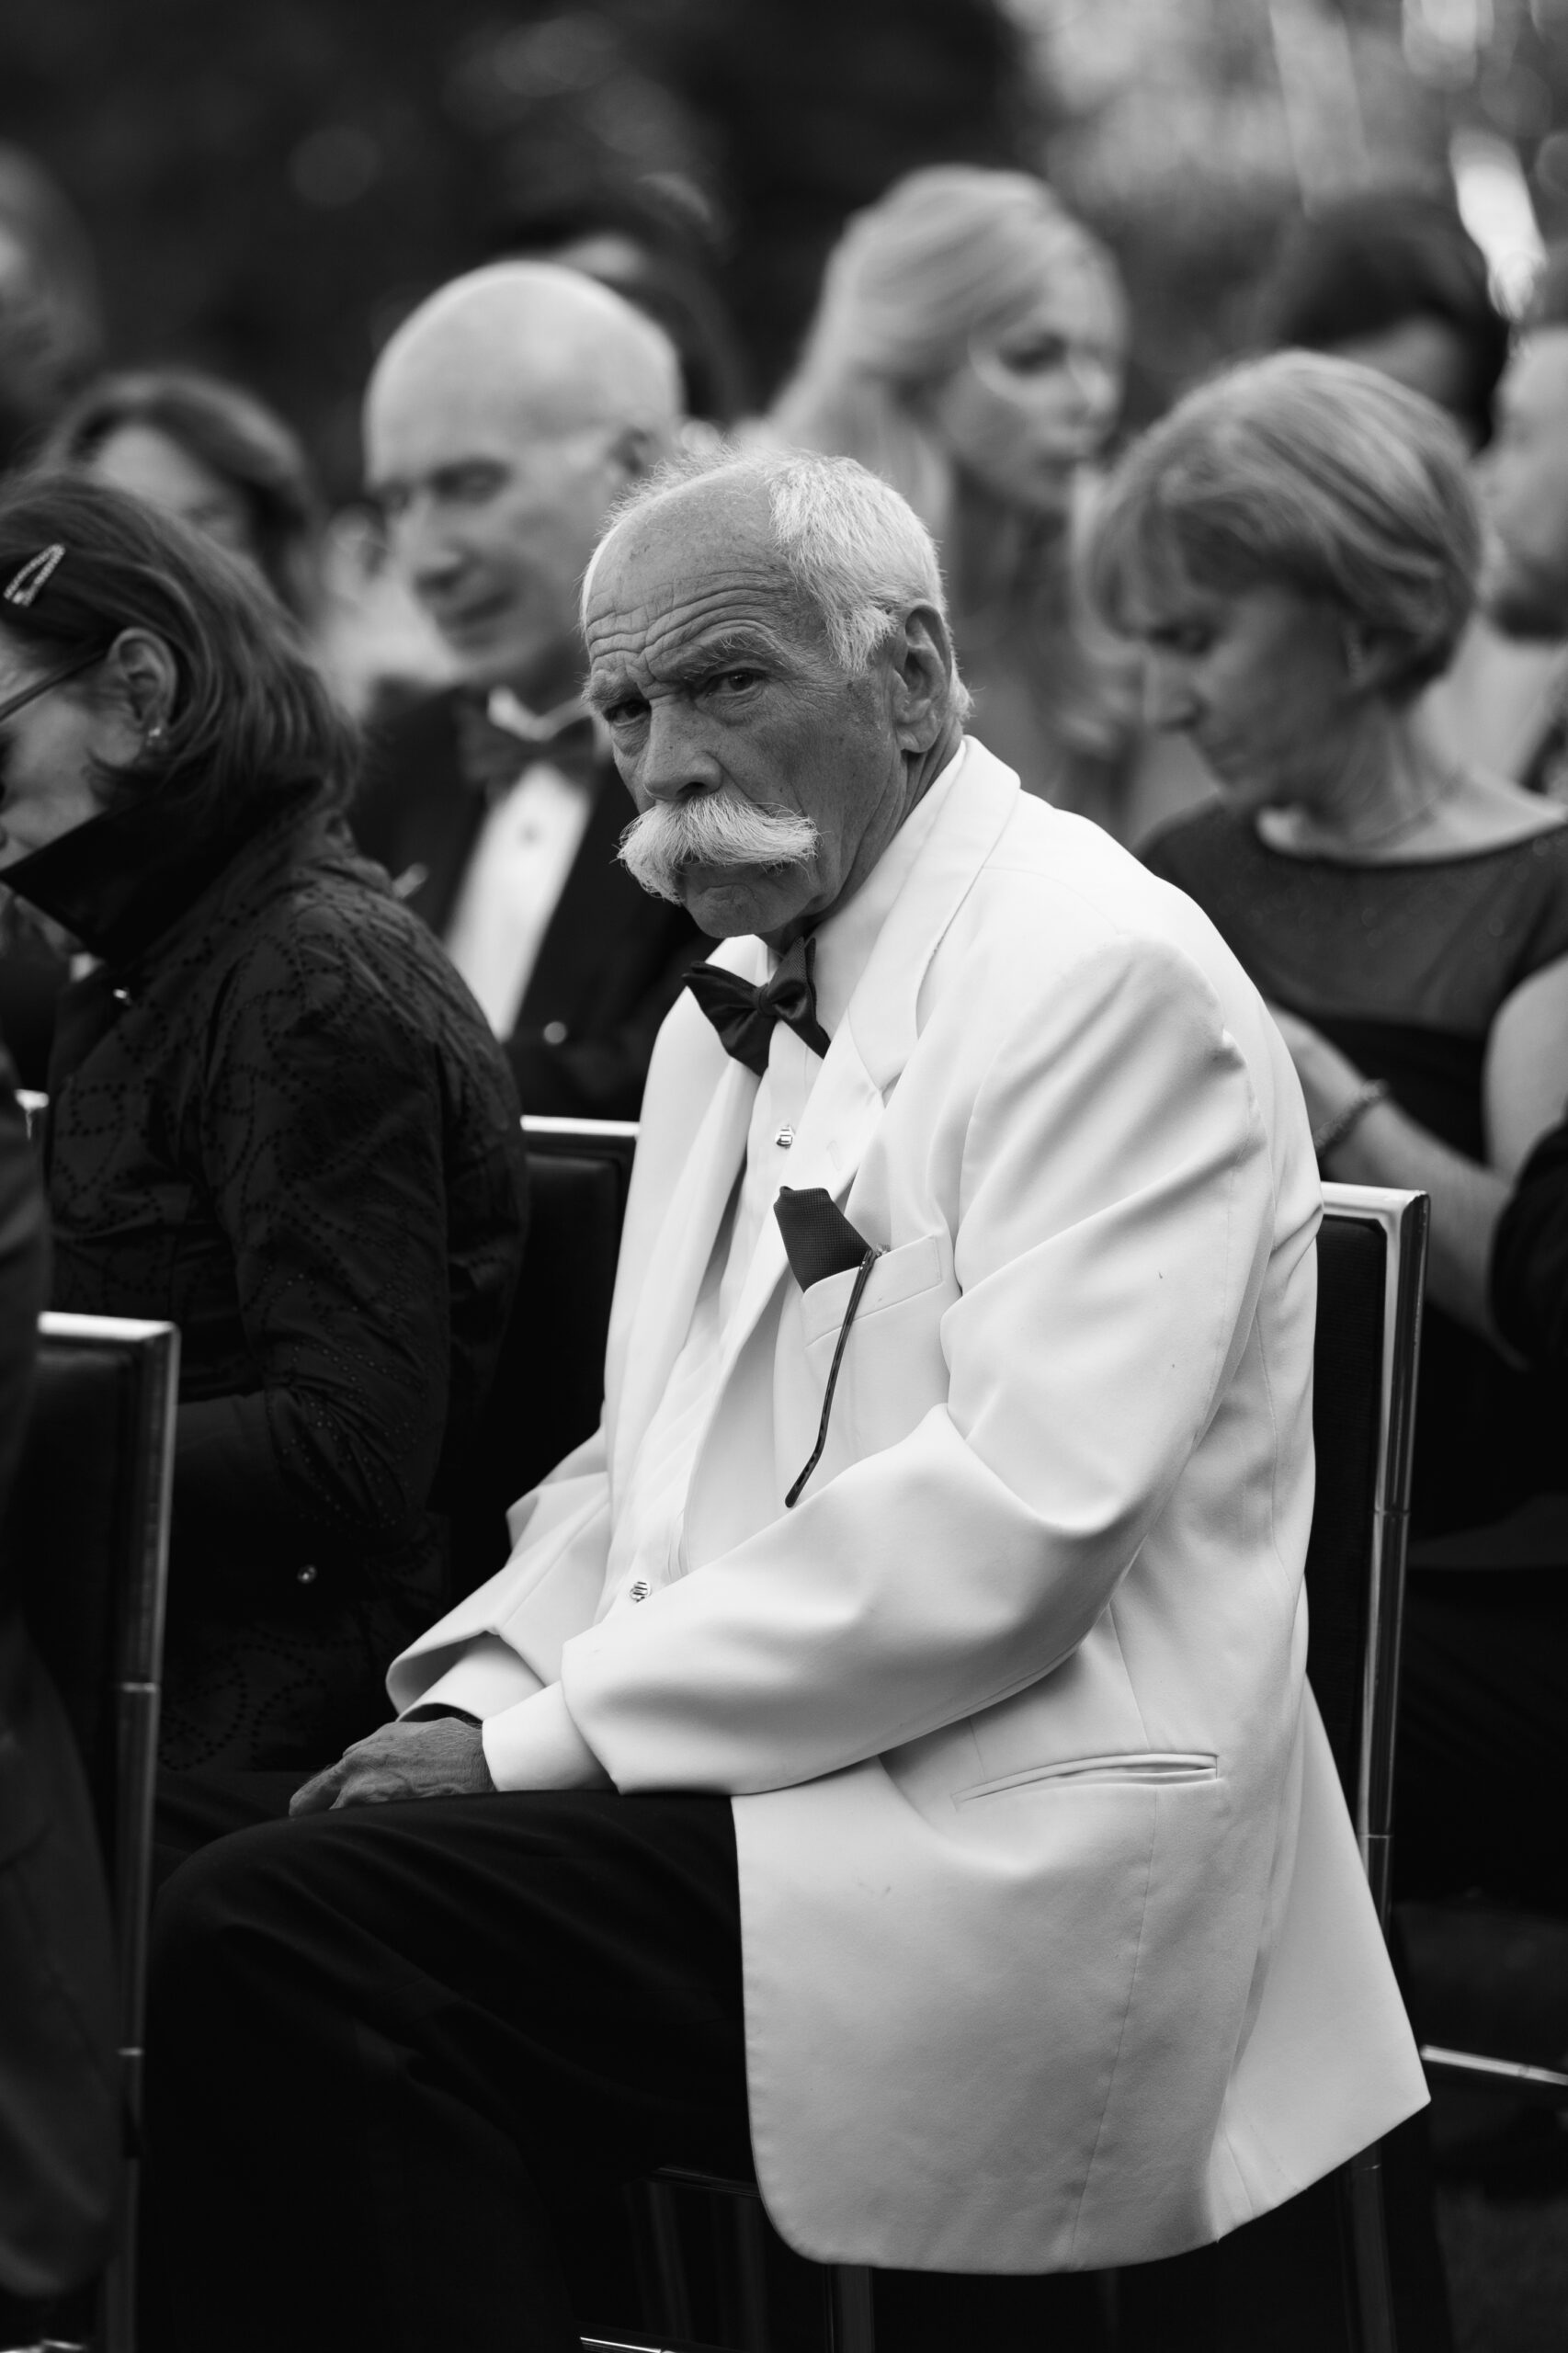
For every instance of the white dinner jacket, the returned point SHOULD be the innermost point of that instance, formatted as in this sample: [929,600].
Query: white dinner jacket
[1057,1949]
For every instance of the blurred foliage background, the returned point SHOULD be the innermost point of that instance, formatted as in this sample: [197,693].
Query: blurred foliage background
[266,185]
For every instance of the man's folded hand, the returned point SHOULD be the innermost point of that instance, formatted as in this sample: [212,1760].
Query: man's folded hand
[440,1758]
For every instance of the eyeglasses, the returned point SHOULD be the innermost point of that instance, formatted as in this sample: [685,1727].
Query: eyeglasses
[43,685]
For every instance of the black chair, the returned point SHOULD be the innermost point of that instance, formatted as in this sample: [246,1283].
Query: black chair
[87,1536]
[549,1384]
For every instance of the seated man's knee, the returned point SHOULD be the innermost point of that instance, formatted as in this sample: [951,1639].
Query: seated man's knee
[212,1925]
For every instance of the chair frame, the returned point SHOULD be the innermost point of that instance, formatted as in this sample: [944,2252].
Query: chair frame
[1404,1219]
[137,1686]
[547,1132]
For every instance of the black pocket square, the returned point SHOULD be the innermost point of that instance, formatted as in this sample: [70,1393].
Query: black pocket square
[819,1240]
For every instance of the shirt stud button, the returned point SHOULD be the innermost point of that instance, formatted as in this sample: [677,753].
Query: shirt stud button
[785,1138]
[554,1033]
[306,1575]
[641,1590]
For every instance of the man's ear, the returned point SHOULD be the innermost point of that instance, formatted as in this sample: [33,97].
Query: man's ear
[920,661]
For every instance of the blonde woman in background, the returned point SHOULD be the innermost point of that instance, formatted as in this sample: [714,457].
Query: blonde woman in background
[969,346]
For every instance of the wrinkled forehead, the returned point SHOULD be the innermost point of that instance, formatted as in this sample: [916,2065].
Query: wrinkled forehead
[688,565]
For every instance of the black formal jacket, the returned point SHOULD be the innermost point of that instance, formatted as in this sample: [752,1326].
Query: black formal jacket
[277,1117]
[613,958]
[59,2087]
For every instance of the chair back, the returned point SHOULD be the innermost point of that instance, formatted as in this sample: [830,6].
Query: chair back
[1371,1270]
[87,1536]
[548,1388]
[86,1541]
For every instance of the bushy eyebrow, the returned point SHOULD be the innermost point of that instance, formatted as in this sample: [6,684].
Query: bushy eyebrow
[743,643]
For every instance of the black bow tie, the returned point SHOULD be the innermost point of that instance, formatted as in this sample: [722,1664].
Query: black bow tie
[745,1017]
[493,757]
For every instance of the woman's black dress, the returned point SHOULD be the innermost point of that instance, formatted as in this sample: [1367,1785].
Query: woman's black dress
[1405,966]
[279,1119]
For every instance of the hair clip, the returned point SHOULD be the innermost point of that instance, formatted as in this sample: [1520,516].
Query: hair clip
[34,574]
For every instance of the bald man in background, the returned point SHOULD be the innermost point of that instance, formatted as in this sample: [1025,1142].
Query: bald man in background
[503,421]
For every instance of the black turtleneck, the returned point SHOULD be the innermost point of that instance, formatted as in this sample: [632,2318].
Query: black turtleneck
[125,876]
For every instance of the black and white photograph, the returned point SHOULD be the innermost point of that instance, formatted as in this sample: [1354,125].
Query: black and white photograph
[784,1177]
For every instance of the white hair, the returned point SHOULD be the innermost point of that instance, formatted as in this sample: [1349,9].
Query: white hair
[856,551]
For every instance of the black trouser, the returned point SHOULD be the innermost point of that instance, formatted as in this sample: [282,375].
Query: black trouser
[389,2047]
[386,2042]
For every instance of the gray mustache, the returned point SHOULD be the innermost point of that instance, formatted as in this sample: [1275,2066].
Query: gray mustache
[715,829]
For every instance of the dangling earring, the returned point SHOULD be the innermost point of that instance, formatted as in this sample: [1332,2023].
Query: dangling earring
[156,738]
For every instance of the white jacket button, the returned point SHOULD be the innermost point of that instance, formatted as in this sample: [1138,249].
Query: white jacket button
[641,1590]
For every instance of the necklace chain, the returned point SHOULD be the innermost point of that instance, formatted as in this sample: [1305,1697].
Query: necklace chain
[1449,781]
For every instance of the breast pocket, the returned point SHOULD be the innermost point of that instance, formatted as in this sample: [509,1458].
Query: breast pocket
[891,1370]
[898,1276]
[1135,1767]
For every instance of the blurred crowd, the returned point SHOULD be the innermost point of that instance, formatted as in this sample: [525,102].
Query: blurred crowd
[293,928]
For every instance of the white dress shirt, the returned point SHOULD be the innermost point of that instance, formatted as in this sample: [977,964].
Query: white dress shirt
[533,1742]
[517,871]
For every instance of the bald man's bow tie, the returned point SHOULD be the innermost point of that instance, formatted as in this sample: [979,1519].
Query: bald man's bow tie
[746,1018]
[497,739]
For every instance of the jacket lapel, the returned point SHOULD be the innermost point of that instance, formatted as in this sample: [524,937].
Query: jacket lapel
[658,1317]
[840,1119]
[876,1035]
[869,1050]
[433,818]
[599,904]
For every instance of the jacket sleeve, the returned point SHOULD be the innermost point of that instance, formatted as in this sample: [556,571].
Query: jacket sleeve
[321,1123]
[1113,1222]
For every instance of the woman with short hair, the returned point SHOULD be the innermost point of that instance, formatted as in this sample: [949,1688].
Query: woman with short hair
[210,453]
[277,1118]
[969,347]
[1295,547]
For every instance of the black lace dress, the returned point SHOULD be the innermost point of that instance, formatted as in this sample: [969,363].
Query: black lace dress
[1404,968]
[279,1119]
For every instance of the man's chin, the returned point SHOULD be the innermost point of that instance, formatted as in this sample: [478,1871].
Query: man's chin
[730,902]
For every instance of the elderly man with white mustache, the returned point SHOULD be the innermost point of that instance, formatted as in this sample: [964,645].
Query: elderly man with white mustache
[885,1760]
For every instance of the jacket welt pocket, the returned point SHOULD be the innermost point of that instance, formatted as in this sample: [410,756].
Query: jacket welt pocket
[1142,1767]
[899,1275]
